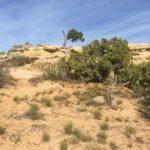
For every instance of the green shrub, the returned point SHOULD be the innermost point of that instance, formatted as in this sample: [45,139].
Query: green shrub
[64,145]
[19,60]
[104,126]
[138,78]
[77,133]
[113,145]
[68,128]
[56,71]
[99,58]
[129,131]
[18,99]
[5,77]
[102,137]
[46,101]
[97,114]
[45,137]
[80,136]
[32,113]
[2,130]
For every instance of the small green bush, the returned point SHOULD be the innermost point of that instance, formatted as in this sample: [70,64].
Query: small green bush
[80,136]
[102,137]
[45,137]
[32,113]
[19,60]
[2,130]
[68,128]
[97,114]
[46,101]
[64,145]
[104,126]
[129,131]
[113,145]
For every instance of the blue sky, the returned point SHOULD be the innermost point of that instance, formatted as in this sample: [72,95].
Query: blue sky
[42,21]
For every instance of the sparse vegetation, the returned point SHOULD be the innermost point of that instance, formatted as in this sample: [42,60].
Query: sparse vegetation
[97,114]
[2,130]
[113,145]
[33,113]
[46,101]
[119,119]
[64,145]
[19,60]
[18,99]
[45,137]
[130,145]
[61,98]
[129,131]
[35,80]
[102,137]
[104,126]
[68,128]
[5,77]
[56,71]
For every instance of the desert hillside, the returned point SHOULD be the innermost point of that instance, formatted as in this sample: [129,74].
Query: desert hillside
[53,115]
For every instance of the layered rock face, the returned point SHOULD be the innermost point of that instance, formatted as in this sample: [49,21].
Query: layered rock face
[44,53]
[51,53]
[141,52]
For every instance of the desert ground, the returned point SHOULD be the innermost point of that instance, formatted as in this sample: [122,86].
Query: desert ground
[97,126]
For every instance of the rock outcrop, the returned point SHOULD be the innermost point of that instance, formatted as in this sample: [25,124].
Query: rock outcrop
[43,53]
[49,53]
[141,52]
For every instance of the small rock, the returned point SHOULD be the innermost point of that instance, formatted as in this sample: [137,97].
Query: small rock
[100,100]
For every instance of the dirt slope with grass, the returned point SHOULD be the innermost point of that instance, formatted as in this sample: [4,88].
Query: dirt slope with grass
[64,114]
[54,115]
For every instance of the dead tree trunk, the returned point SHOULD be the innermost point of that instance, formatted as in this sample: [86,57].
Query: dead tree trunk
[65,39]
[109,95]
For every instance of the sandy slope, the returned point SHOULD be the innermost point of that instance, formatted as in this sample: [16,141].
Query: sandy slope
[25,134]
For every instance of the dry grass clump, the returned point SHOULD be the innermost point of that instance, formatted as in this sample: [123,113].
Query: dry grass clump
[18,99]
[102,137]
[113,145]
[45,137]
[79,136]
[56,71]
[19,60]
[97,114]
[5,77]
[46,101]
[64,145]
[33,113]
[104,126]
[35,80]
[129,131]
[2,130]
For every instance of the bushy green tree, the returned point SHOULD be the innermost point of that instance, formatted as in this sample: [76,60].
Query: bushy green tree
[73,35]
[99,58]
